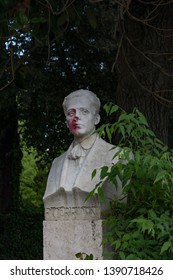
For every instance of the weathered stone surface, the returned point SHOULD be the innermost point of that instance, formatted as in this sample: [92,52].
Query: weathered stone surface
[71,213]
[73,169]
[72,223]
[64,205]
[64,239]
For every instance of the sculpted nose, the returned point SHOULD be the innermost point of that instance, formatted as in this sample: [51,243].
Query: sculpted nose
[76,118]
[77,115]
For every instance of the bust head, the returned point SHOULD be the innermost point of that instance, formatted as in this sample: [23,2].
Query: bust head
[81,109]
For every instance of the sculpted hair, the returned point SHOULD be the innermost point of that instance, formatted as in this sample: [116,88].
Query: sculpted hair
[95,101]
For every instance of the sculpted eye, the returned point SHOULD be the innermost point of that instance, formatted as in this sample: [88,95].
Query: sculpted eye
[70,113]
[84,111]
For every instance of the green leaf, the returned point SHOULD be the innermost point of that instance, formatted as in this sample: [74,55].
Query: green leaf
[103,172]
[148,226]
[125,245]
[131,257]
[118,244]
[122,130]
[133,119]
[127,236]
[129,129]
[122,255]
[90,194]
[101,194]
[143,121]
[123,117]
[78,255]
[160,176]
[23,18]
[108,134]
[93,173]
[147,160]
[165,247]
[150,132]
[137,157]
[154,161]
[107,108]
[114,109]
[152,214]
[89,257]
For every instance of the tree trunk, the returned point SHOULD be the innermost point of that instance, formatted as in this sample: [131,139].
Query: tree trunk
[144,64]
[10,155]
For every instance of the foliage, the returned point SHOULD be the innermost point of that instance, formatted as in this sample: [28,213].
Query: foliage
[32,180]
[142,228]
[84,256]
[10,153]
[39,58]
[21,236]
[43,82]
[20,229]
[47,50]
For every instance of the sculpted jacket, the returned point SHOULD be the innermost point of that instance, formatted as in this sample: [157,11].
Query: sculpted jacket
[100,154]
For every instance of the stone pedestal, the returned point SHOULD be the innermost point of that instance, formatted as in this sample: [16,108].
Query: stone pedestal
[64,239]
[72,225]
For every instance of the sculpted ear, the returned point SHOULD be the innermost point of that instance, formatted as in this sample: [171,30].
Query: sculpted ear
[97,119]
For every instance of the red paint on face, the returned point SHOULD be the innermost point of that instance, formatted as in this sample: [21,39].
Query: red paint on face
[73,125]
[80,120]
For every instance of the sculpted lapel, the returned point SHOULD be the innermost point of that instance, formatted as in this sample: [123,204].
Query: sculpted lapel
[99,155]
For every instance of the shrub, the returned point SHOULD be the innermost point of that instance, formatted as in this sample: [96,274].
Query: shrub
[21,236]
[143,227]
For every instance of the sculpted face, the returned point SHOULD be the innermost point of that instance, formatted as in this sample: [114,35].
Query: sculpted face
[81,117]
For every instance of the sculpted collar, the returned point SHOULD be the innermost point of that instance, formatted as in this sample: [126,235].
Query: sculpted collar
[80,149]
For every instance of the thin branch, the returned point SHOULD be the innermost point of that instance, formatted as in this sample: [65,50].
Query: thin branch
[159,98]
[163,100]
[15,68]
[133,73]
[117,54]
[6,85]
[66,5]
[125,5]
[149,59]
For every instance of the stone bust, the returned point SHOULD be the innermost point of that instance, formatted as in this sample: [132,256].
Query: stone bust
[73,170]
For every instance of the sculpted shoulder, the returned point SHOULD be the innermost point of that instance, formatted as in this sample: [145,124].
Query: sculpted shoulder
[57,160]
[108,151]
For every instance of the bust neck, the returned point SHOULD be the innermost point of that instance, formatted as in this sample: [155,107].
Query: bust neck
[79,140]
[87,142]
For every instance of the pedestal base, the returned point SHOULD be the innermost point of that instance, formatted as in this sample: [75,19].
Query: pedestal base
[63,239]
